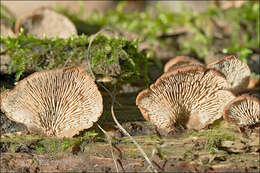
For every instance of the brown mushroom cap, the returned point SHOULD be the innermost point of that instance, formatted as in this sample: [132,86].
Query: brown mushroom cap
[46,21]
[59,102]
[179,61]
[243,111]
[189,96]
[236,72]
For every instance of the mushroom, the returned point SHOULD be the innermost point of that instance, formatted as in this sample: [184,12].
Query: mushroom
[179,61]
[59,102]
[236,72]
[188,97]
[46,21]
[243,111]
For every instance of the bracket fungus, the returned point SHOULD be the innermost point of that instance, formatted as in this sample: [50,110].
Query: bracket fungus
[243,111]
[46,21]
[236,72]
[59,102]
[188,97]
[179,61]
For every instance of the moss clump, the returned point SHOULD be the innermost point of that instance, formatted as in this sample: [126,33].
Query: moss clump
[215,136]
[109,57]
[45,145]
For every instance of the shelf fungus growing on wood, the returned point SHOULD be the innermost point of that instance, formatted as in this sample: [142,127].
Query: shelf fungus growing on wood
[46,21]
[179,61]
[237,72]
[244,111]
[188,97]
[59,102]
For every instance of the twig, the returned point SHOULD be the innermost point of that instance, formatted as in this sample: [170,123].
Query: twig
[112,106]
[89,46]
[110,144]
[89,65]
[88,52]
[127,134]
[66,62]
[109,93]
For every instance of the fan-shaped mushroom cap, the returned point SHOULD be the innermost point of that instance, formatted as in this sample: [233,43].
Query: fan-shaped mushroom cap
[179,61]
[189,96]
[59,102]
[46,21]
[243,111]
[236,72]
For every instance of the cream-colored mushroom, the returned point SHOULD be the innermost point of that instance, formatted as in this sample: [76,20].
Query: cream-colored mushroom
[191,97]
[46,21]
[179,61]
[236,72]
[60,102]
[243,111]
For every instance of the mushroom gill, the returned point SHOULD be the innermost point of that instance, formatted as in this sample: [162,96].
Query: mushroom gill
[243,111]
[59,102]
[179,61]
[46,21]
[237,72]
[188,97]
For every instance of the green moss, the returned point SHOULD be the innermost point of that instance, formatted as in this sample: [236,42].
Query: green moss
[21,139]
[162,154]
[214,138]
[146,139]
[109,57]
[39,147]
[151,24]
[47,145]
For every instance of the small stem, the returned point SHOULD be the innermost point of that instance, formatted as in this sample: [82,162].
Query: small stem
[111,147]
[127,134]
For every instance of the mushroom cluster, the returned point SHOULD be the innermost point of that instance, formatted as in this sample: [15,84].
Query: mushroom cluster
[191,95]
[59,102]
